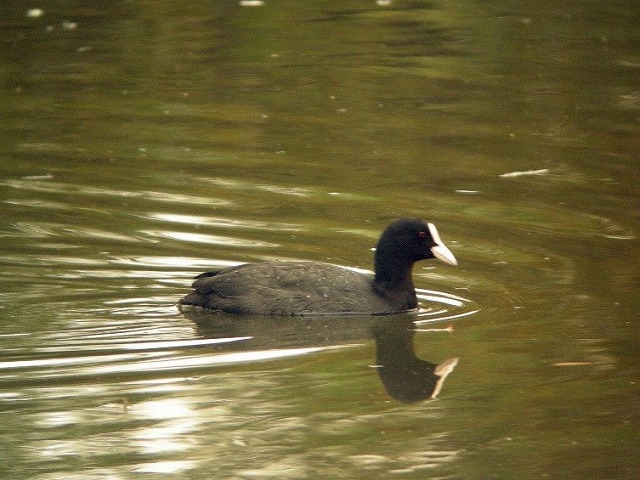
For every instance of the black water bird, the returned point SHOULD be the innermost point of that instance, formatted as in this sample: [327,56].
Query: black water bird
[315,288]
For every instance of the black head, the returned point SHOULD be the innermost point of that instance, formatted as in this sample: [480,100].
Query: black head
[412,239]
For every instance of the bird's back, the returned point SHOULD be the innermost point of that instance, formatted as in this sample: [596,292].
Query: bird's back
[288,288]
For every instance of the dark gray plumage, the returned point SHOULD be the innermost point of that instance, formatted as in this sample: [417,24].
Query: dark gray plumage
[304,288]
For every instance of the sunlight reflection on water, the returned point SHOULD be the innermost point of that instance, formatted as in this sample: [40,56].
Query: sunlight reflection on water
[166,467]
[210,239]
[222,222]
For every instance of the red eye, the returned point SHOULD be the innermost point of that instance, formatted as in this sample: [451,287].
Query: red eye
[422,234]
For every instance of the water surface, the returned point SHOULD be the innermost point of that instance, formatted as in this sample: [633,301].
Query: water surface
[146,142]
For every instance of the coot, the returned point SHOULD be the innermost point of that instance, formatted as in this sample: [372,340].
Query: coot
[308,288]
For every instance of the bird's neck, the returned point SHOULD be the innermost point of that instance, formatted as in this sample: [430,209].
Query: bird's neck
[392,272]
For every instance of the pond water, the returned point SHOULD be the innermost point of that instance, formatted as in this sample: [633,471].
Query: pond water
[145,142]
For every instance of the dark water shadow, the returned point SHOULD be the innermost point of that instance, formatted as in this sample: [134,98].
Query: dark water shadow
[405,377]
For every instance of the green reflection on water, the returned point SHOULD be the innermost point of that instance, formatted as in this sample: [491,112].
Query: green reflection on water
[146,142]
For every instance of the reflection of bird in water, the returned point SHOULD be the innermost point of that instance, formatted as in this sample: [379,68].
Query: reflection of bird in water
[405,377]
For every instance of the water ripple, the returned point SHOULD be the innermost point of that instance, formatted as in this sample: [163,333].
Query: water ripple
[209,239]
[43,186]
[200,220]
